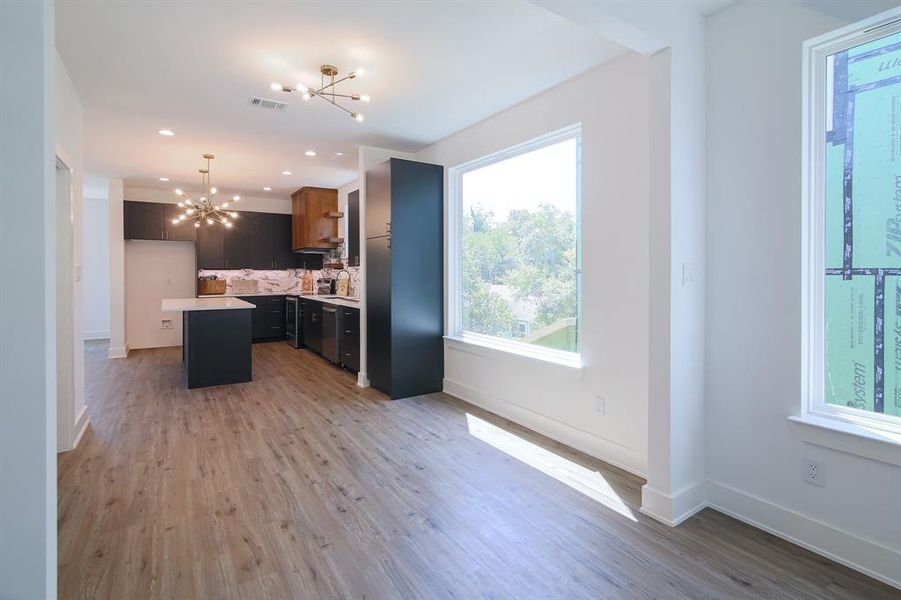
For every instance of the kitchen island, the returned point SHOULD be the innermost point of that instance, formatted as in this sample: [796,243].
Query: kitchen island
[216,339]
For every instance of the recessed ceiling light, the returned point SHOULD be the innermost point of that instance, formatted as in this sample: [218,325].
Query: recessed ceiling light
[267,189]
[310,153]
[339,154]
[164,179]
[166,132]
[287,173]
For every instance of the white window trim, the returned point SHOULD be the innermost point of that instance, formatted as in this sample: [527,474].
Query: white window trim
[842,428]
[455,330]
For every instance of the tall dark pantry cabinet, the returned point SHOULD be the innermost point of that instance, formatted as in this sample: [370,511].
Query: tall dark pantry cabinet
[405,277]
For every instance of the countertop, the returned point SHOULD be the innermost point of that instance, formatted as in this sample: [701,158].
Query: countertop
[327,298]
[205,303]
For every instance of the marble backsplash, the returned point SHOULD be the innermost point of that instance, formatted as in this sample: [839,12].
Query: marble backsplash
[250,282]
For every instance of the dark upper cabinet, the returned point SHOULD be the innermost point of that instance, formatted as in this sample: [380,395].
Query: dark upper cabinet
[405,278]
[210,247]
[310,261]
[257,240]
[353,228]
[285,258]
[237,244]
[153,221]
[184,231]
[264,245]
[145,220]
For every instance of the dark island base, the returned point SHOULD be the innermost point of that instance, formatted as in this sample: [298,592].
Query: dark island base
[216,347]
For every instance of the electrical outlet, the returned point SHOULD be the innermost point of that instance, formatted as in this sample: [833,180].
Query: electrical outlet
[813,473]
[600,404]
[167,324]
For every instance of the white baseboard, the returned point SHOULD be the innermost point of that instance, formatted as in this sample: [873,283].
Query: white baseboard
[81,425]
[117,352]
[70,438]
[598,447]
[672,509]
[96,335]
[869,557]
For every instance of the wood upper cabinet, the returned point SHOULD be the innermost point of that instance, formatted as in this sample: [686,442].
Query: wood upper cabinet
[315,219]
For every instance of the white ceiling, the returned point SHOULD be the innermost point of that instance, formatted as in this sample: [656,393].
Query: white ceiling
[432,68]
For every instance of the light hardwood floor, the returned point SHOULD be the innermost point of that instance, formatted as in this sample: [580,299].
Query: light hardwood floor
[302,485]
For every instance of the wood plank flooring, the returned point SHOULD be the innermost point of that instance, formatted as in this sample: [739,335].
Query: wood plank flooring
[302,485]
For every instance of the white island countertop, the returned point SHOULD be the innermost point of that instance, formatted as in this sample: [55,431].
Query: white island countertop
[190,304]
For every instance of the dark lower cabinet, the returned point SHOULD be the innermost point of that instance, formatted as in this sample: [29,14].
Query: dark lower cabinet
[312,324]
[267,318]
[216,347]
[349,337]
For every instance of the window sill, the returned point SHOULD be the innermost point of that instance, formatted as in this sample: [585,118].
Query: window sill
[851,438]
[499,350]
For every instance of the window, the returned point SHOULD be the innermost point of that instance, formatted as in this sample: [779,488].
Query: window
[515,247]
[853,225]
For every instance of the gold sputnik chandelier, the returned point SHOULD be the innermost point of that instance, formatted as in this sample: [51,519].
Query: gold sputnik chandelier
[205,210]
[328,90]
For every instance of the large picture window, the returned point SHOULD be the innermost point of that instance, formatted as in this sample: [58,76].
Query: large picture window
[517,245]
[854,257]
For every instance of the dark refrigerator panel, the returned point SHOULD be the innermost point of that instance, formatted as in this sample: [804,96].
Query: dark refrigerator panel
[378,308]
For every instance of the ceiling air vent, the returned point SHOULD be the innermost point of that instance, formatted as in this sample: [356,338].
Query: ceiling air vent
[267,104]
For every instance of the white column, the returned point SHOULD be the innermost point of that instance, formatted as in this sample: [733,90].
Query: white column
[118,347]
[27,303]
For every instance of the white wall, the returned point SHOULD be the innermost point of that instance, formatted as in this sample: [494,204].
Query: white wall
[673,35]
[95,272]
[156,270]
[755,459]
[69,117]
[611,103]
[118,347]
[27,301]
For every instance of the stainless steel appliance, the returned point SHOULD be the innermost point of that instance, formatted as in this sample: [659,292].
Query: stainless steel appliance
[293,321]
[325,285]
[330,332]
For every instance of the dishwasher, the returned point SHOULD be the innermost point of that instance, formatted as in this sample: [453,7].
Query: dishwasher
[330,332]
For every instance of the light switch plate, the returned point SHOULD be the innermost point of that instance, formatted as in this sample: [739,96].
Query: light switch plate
[689,272]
